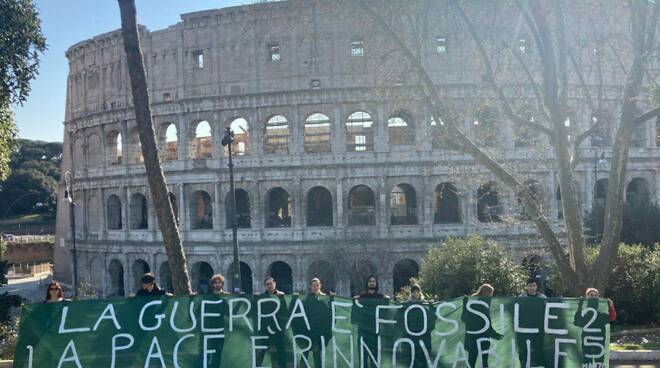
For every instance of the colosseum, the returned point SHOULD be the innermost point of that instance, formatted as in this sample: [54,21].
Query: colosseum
[332,174]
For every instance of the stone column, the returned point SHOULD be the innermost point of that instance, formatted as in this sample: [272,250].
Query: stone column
[339,213]
[126,214]
[182,138]
[338,132]
[297,196]
[296,132]
[380,129]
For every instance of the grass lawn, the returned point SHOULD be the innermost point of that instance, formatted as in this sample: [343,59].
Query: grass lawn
[10,224]
[642,346]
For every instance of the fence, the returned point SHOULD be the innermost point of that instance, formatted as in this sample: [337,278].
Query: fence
[25,239]
[22,270]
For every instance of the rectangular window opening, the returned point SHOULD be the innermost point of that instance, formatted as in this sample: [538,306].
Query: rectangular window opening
[357,48]
[199,60]
[274,52]
[441,45]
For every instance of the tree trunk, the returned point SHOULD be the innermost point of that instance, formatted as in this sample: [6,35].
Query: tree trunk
[160,196]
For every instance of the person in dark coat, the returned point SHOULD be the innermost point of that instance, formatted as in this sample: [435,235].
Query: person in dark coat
[278,342]
[416,325]
[363,314]
[532,309]
[584,317]
[475,323]
[148,286]
[319,314]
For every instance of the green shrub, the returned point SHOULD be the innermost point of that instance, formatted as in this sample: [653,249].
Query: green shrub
[460,265]
[635,285]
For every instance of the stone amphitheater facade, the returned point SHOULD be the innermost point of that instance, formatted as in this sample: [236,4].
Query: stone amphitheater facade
[330,170]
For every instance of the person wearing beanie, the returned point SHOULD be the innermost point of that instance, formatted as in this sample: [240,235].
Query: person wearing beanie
[148,286]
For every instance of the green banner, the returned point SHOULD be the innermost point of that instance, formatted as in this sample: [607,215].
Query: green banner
[314,331]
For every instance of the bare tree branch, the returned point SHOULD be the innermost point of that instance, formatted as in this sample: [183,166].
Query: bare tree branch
[470,148]
[490,78]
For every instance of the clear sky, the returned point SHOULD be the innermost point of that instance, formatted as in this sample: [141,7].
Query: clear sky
[65,22]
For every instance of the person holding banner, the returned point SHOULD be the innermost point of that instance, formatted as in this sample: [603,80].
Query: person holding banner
[364,316]
[54,293]
[473,323]
[148,286]
[273,337]
[218,285]
[317,308]
[530,344]
[533,289]
[594,327]
[416,328]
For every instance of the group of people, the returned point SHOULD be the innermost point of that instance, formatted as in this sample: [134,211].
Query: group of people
[367,302]
[149,287]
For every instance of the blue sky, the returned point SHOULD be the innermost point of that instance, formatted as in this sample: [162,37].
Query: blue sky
[65,22]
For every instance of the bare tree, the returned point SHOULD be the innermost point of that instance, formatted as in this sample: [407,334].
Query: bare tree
[551,76]
[168,227]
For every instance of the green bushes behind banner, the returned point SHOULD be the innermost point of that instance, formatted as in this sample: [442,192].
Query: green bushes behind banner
[460,265]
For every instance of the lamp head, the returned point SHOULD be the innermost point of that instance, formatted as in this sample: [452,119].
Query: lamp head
[228,137]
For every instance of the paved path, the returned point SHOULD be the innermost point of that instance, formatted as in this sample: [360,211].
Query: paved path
[635,365]
[30,288]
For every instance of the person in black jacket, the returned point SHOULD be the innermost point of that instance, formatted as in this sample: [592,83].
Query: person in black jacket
[476,323]
[416,323]
[363,314]
[278,344]
[317,309]
[148,286]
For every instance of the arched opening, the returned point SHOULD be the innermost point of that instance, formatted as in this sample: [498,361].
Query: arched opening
[319,207]
[276,137]
[600,192]
[175,206]
[403,205]
[241,145]
[359,132]
[279,208]
[446,205]
[114,148]
[201,276]
[401,129]
[203,141]
[114,213]
[283,276]
[638,191]
[139,216]
[325,272]
[488,203]
[135,147]
[165,275]
[140,267]
[403,271]
[361,206]
[201,210]
[246,277]
[361,270]
[536,191]
[316,132]
[116,275]
[169,142]
[243,217]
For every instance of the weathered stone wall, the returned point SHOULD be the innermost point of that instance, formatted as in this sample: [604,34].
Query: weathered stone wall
[315,74]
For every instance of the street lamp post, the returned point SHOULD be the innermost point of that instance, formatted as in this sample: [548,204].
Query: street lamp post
[598,162]
[227,141]
[68,196]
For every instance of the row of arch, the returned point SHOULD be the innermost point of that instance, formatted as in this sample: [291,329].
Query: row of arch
[403,206]
[201,272]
